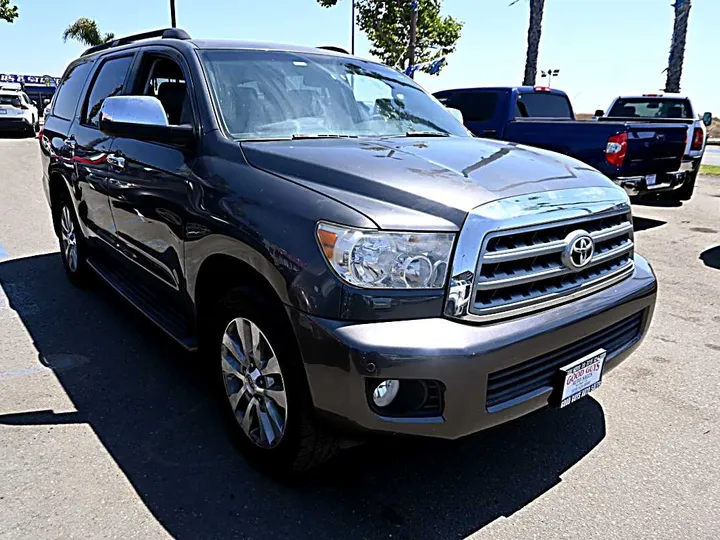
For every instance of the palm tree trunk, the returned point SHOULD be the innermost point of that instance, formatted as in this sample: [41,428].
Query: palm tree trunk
[677,47]
[534,30]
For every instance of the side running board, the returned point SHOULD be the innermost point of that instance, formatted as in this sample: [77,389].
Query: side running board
[171,322]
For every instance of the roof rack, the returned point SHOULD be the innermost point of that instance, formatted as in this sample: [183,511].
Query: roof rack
[164,33]
[333,48]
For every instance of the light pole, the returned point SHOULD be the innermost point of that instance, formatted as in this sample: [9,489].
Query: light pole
[550,73]
[173,21]
[352,28]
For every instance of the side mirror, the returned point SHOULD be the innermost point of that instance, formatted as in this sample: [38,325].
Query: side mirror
[46,101]
[457,113]
[707,118]
[599,112]
[142,118]
[35,103]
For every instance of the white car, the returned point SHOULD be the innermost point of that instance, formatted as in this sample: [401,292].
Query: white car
[667,108]
[17,112]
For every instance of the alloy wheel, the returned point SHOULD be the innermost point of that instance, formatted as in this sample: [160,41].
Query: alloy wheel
[254,383]
[68,239]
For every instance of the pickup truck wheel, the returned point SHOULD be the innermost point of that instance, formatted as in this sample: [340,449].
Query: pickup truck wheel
[686,190]
[265,397]
[72,243]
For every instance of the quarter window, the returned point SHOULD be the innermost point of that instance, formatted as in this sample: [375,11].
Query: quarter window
[108,82]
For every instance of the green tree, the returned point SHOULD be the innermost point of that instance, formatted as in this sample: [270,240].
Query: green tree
[387,25]
[533,41]
[86,31]
[8,12]
[677,46]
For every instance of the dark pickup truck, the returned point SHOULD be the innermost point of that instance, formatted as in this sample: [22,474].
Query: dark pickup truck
[634,155]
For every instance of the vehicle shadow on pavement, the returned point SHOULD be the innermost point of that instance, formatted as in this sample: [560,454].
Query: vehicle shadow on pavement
[643,224]
[711,257]
[159,421]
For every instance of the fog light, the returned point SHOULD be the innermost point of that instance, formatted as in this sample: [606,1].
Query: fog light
[385,392]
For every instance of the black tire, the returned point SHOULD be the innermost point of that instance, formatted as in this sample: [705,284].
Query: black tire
[686,190]
[76,268]
[304,444]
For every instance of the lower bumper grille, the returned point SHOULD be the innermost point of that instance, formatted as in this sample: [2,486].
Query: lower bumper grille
[537,374]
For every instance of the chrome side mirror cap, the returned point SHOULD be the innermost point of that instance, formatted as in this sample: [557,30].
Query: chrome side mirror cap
[142,118]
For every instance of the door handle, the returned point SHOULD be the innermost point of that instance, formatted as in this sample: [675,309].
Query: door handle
[116,161]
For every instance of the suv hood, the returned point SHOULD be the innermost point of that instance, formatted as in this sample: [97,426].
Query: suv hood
[419,183]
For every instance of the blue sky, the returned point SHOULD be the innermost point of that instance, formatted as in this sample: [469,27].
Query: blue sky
[602,47]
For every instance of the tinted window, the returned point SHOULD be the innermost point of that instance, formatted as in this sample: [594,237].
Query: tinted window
[651,108]
[68,94]
[108,82]
[543,105]
[475,106]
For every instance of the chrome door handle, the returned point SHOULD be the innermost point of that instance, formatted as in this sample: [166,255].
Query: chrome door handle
[116,161]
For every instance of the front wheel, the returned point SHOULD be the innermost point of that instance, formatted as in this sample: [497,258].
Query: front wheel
[264,391]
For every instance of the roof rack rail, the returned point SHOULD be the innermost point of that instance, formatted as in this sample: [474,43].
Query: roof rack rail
[164,33]
[333,48]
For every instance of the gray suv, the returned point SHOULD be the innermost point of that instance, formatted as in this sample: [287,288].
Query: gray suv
[343,255]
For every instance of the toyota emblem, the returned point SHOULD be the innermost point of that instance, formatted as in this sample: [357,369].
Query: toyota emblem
[579,249]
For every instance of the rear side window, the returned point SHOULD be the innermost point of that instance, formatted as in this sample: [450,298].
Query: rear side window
[68,95]
[108,82]
[542,105]
[475,106]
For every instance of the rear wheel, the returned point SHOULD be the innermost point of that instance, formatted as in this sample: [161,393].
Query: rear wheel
[263,388]
[686,190]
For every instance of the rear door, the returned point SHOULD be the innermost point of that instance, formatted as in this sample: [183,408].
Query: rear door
[92,146]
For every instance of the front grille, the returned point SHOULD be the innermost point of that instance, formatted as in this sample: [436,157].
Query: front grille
[519,268]
[536,375]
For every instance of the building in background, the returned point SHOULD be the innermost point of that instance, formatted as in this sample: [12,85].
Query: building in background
[39,88]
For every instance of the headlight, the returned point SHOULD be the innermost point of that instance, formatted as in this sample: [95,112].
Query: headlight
[387,260]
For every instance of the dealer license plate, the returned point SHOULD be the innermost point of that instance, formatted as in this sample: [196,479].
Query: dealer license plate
[651,179]
[581,377]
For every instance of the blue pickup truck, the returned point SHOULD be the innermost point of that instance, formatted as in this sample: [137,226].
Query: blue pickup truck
[641,157]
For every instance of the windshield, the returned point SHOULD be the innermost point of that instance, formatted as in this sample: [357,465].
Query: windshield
[267,94]
[651,108]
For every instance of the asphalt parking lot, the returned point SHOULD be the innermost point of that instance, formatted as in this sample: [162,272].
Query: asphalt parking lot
[106,431]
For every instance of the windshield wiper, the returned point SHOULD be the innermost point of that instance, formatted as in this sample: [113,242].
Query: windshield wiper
[321,136]
[426,134]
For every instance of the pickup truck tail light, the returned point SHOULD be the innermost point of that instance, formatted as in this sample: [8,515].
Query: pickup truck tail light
[616,149]
[697,140]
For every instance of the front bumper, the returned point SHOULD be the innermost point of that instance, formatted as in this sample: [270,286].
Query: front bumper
[337,355]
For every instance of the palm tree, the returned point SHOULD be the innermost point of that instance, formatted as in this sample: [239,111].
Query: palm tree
[533,47]
[677,46]
[86,31]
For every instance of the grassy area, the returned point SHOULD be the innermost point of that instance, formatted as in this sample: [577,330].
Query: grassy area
[710,169]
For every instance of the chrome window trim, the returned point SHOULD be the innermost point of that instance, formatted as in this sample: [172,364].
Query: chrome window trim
[536,210]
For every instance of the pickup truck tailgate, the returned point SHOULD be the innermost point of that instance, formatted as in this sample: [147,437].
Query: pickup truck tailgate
[653,149]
